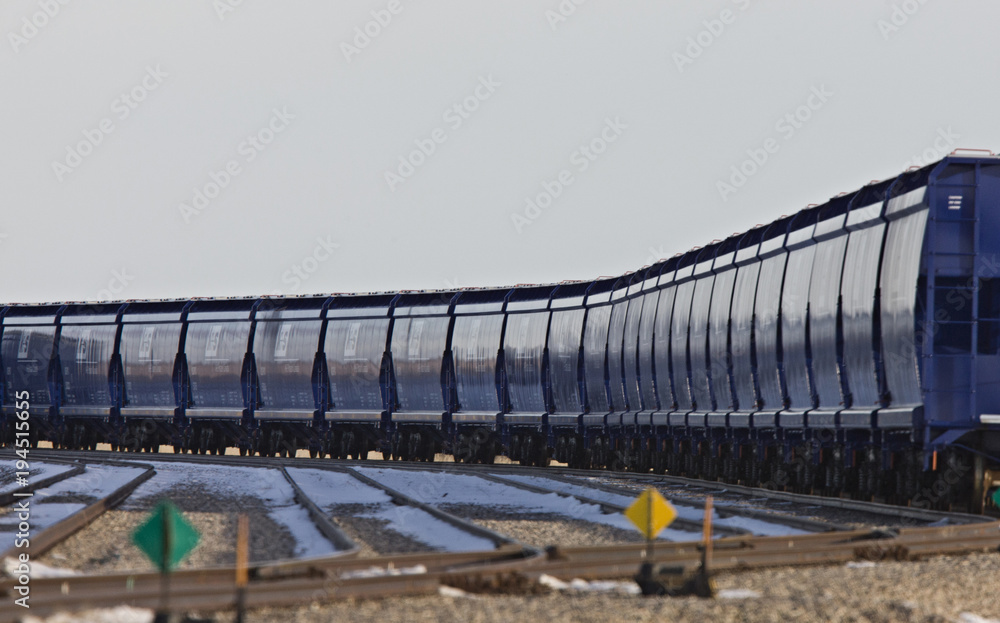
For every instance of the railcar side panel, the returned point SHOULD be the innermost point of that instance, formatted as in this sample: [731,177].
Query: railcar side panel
[475,343]
[85,352]
[148,352]
[565,335]
[524,346]
[215,352]
[418,346]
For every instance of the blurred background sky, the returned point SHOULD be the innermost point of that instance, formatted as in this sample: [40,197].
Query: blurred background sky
[182,148]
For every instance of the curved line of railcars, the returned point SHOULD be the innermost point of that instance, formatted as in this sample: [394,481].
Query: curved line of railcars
[843,347]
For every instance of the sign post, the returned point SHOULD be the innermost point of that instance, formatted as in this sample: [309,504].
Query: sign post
[242,558]
[651,513]
[166,538]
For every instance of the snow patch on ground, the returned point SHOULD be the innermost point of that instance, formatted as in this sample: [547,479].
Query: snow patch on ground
[437,488]
[329,489]
[336,488]
[593,586]
[121,614]
[429,530]
[267,485]
[382,572]
[38,471]
[38,570]
[691,513]
[737,593]
[572,489]
[759,527]
[455,593]
[97,481]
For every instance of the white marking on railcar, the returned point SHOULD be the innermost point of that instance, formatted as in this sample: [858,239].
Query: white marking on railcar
[351,345]
[281,344]
[212,344]
[146,343]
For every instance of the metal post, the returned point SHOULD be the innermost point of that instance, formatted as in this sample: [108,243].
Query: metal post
[242,557]
[163,612]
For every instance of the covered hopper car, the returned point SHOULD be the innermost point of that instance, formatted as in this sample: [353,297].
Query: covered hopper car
[851,347]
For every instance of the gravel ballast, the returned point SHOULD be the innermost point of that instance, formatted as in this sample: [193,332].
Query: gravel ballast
[543,529]
[373,535]
[943,589]
[106,545]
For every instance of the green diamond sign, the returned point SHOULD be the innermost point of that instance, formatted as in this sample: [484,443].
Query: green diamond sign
[166,537]
[996,497]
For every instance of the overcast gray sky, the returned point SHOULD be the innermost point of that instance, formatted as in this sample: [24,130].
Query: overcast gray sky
[215,148]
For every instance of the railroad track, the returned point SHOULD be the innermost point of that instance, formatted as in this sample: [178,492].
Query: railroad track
[332,578]
[344,575]
[271,584]
[620,498]
[11,495]
[779,506]
[52,535]
[729,497]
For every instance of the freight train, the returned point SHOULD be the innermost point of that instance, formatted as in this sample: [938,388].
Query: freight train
[852,347]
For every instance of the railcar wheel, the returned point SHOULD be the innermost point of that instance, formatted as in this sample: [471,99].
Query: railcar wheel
[490,453]
[363,449]
[413,447]
[614,460]
[528,450]
[463,449]
[542,458]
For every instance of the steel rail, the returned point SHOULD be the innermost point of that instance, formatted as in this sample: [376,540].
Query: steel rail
[723,510]
[759,552]
[323,579]
[62,530]
[9,497]
[401,498]
[874,508]
[330,530]
[754,493]
[327,580]
[687,525]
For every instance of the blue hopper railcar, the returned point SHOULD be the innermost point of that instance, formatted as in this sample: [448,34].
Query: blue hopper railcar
[851,347]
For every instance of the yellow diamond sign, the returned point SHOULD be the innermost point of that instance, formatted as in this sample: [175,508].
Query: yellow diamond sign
[651,513]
